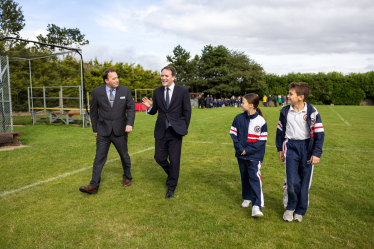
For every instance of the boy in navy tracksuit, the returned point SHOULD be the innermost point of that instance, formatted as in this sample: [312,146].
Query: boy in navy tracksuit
[299,141]
[249,133]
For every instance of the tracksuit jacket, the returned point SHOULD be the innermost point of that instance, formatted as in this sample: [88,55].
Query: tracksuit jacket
[317,134]
[249,133]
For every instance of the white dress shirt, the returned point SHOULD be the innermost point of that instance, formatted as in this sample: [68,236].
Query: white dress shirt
[171,90]
[108,92]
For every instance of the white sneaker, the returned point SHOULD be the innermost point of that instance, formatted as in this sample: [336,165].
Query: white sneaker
[288,215]
[298,217]
[245,203]
[256,212]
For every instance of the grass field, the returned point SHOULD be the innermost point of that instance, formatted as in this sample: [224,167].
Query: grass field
[41,206]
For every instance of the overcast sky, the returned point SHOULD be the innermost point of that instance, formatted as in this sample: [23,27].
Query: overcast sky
[282,36]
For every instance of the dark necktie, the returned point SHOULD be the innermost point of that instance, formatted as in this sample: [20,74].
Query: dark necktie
[167,107]
[111,98]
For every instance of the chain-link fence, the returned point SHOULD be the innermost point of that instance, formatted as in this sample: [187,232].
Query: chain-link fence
[6,122]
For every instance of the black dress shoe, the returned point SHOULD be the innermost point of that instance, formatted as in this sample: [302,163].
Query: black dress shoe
[169,194]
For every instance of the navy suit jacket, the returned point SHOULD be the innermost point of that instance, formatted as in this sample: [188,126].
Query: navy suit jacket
[104,118]
[178,114]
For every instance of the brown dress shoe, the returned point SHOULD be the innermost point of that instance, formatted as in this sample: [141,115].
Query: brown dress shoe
[89,190]
[126,182]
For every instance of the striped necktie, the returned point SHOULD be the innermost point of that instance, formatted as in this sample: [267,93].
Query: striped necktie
[111,98]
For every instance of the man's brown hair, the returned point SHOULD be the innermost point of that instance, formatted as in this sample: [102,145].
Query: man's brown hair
[172,69]
[301,88]
[106,72]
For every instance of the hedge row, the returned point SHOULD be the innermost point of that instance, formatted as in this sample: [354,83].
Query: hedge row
[331,88]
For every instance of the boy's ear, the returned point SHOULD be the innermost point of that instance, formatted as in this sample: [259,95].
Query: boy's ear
[301,97]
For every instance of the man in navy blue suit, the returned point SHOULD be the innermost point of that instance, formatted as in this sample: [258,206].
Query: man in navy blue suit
[172,102]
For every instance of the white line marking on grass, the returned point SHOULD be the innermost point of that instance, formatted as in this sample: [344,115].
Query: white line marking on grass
[197,142]
[345,150]
[210,117]
[273,146]
[150,148]
[340,116]
[64,175]
[356,125]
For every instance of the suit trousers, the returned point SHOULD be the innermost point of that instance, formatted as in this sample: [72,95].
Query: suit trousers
[102,149]
[170,145]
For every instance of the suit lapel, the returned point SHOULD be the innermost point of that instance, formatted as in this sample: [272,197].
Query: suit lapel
[117,96]
[163,97]
[105,95]
[174,95]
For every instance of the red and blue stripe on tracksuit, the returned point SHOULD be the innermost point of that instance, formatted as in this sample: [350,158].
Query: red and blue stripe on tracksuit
[297,153]
[249,134]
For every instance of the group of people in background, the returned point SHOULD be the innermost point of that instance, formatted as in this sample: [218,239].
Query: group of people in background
[209,102]
[276,99]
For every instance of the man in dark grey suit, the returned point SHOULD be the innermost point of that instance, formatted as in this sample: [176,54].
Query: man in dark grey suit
[112,113]
[172,102]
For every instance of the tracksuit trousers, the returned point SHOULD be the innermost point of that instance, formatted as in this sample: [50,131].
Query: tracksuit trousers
[250,176]
[299,172]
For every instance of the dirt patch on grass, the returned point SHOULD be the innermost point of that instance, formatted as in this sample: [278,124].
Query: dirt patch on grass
[10,147]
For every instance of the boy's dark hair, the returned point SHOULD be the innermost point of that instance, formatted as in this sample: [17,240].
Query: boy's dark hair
[106,72]
[301,88]
[172,69]
[254,100]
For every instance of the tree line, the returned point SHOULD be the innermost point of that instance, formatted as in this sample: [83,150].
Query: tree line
[225,73]
[218,71]
[67,72]
[327,88]
[62,70]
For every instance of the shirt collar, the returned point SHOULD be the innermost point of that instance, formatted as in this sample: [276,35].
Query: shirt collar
[303,110]
[108,89]
[171,87]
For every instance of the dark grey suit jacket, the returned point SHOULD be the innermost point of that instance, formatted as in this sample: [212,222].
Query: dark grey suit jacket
[104,119]
[178,114]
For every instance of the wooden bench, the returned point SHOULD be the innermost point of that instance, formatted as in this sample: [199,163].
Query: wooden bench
[15,135]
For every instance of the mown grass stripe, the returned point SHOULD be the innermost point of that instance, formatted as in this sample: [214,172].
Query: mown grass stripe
[63,175]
